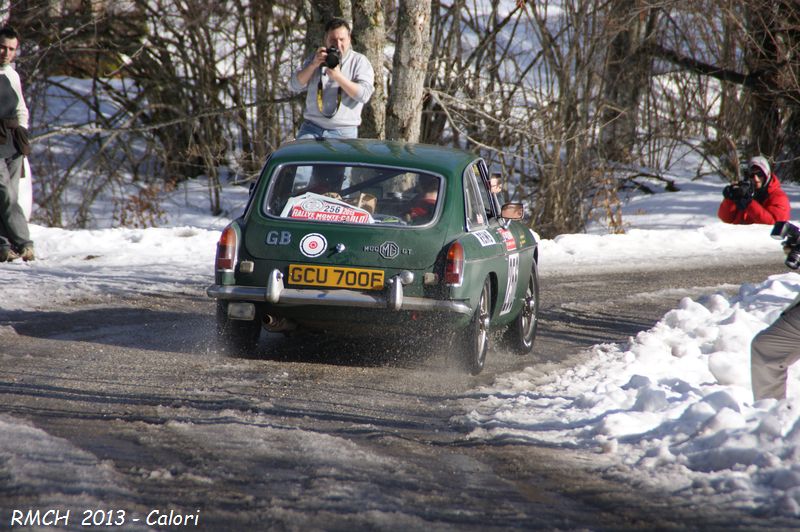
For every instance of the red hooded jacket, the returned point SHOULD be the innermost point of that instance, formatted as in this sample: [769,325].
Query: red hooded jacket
[773,207]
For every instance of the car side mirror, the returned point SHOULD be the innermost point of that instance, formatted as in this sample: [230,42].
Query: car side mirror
[512,211]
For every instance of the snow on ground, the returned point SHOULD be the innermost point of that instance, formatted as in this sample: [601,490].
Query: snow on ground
[72,264]
[673,407]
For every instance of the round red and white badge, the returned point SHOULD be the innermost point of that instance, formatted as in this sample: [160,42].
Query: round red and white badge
[313,245]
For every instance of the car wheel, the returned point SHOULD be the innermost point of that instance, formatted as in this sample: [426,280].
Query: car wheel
[476,339]
[237,337]
[521,333]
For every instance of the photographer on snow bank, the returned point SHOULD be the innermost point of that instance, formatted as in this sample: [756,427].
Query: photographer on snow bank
[338,82]
[757,199]
[777,347]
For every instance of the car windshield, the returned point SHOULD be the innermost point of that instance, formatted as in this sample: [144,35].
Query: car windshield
[353,194]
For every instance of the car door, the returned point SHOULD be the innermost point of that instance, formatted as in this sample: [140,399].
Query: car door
[499,244]
[509,252]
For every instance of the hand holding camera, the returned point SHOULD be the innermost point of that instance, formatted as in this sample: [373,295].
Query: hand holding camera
[790,234]
[740,193]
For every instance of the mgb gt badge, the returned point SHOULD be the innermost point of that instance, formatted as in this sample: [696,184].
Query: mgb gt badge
[387,250]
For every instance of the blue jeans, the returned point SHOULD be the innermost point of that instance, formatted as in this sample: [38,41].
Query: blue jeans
[310,130]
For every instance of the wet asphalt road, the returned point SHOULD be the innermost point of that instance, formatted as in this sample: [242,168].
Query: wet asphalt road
[316,434]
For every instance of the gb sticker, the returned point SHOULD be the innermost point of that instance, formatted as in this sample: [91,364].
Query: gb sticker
[313,245]
[275,238]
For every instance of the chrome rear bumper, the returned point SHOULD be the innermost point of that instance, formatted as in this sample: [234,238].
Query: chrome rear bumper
[391,298]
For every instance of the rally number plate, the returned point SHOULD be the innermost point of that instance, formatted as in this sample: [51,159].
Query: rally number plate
[335,277]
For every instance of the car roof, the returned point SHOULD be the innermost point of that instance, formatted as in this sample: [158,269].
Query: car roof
[435,159]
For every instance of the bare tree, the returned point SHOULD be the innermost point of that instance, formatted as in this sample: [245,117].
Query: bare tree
[178,89]
[412,51]
[769,75]
[523,95]
[256,87]
[566,173]
[764,56]
[731,123]
[98,150]
[369,36]
[629,25]
[567,103]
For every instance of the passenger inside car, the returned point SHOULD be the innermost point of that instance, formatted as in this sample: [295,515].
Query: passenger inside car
[423,204]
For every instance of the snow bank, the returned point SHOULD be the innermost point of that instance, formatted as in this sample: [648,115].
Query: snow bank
[674,406]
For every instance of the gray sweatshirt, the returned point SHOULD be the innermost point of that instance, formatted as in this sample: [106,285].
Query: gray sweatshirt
[336,114]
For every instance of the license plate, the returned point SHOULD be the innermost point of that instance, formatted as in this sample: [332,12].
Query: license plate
[335,277]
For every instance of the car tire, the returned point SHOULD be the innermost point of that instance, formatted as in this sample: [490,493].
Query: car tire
[521,333]
[476,337]
[237,337]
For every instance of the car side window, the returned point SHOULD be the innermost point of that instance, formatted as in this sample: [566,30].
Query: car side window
[489,199]
[473,203]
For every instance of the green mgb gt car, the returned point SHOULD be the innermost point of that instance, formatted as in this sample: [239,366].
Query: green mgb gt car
[368,237]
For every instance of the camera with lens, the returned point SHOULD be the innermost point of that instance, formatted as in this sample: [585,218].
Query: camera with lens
[333,58]
[790,234]
[748,172]
[744,188]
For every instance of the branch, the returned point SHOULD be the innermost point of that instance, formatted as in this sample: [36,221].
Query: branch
[689,63]
[93,130]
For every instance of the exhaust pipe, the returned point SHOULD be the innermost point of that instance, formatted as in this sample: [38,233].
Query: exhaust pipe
[273,324]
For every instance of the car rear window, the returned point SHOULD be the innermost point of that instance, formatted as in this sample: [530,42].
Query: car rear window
[333,193]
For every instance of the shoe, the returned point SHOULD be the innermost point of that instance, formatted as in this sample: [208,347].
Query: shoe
[26,253]
[8,254]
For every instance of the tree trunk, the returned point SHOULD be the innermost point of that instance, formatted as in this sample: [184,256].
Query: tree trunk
[412,52]
[764,58]
[789,165]
[730,115]
[627,71]
[369,38]
[446,71]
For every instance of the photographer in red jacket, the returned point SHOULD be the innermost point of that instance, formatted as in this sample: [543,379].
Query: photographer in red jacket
[757,199]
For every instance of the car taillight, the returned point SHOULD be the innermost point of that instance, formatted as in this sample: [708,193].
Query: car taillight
[454,266]
[226,249]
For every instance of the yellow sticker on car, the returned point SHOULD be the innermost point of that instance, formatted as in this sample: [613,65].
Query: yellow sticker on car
[335,277]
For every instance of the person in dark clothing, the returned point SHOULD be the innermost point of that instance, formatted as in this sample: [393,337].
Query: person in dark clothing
[424,204]
[758,199]
[326,179]
[15,241]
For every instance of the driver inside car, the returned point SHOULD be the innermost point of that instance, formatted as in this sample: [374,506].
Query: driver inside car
[327,181]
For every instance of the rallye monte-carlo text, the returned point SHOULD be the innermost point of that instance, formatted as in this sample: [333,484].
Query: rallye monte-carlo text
[355,237]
